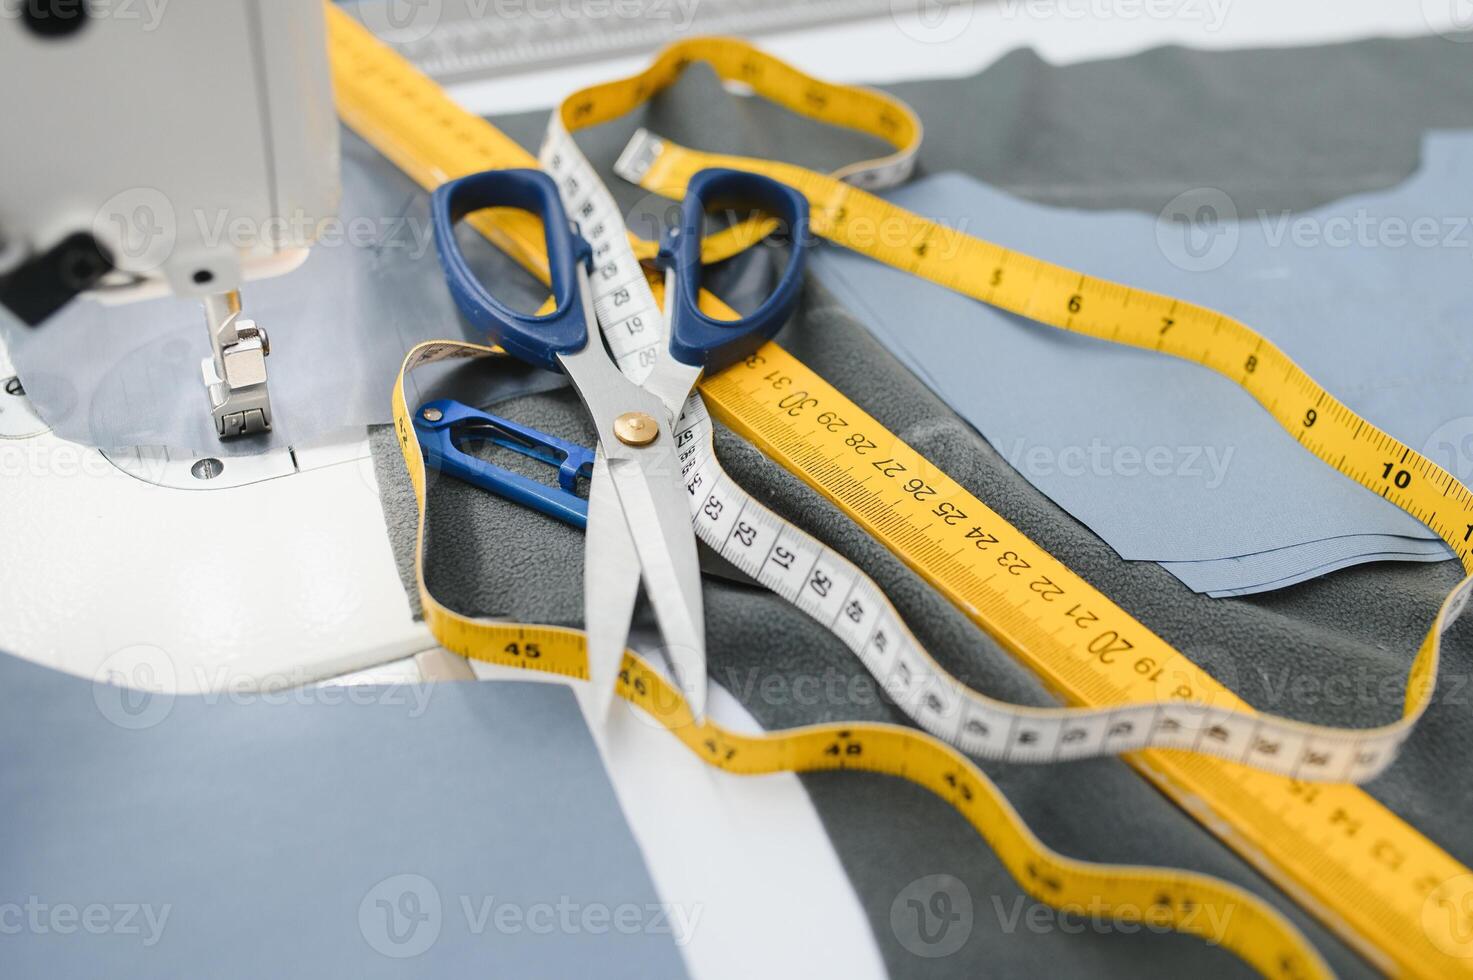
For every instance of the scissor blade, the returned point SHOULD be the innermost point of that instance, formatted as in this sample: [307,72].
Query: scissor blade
[671,382]
[659,521]
[610,587]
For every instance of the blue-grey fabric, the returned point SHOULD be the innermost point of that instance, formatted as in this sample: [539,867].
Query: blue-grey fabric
[1171,461]
[452,829]
[1282,567]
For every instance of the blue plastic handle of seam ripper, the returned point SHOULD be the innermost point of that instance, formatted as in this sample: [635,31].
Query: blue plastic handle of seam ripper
[437,440]
[695,338]
[536,340]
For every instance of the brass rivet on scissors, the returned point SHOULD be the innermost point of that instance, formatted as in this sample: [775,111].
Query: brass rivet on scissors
[433,415]
[636,429]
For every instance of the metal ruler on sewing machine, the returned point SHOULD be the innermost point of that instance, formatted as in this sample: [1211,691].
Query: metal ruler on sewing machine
[463,40]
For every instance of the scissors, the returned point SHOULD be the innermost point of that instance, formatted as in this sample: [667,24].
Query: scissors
[445,427]
[441,425]
[638,525]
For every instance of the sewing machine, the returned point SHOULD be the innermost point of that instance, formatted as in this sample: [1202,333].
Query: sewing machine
[146,186]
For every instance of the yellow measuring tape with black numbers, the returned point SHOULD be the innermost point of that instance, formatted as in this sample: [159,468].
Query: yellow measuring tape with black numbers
[408,118]
[1399,898]
[1219,912]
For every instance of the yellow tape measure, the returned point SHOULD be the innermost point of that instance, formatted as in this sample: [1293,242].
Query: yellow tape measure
[1338,851]
[1386,887]
[1188,902]
[411,121]
[1069,300]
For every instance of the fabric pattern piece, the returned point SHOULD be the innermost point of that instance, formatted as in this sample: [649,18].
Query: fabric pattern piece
[1169,461]
[315,832]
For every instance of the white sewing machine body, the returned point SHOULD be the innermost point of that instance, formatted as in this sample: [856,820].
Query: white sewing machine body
[121,183]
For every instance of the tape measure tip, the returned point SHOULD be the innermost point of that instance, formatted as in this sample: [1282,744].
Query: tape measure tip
[638,156]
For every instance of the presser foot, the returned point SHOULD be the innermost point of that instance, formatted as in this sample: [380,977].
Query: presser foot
[235,371]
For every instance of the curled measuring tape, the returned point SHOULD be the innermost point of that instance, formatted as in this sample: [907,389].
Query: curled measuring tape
[1070,301]
[1038,607]
[1370,887]
[625,306]
[389,104]
[736,62]
[1188,902]
[844,600]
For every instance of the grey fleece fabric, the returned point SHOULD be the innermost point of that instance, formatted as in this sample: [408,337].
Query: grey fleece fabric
[1132,132]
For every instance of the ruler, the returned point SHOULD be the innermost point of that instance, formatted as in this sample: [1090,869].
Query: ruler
[1192,903]
[1400,899]
[463,40]
[410,119]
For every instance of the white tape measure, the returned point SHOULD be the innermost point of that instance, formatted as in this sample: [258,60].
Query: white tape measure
[849,604]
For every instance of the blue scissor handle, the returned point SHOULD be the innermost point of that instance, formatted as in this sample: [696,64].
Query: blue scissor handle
[452,419]
[696,338]
[533,339]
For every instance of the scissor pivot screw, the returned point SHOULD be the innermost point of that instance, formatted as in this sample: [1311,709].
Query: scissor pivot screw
[432,414]
[636,429]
